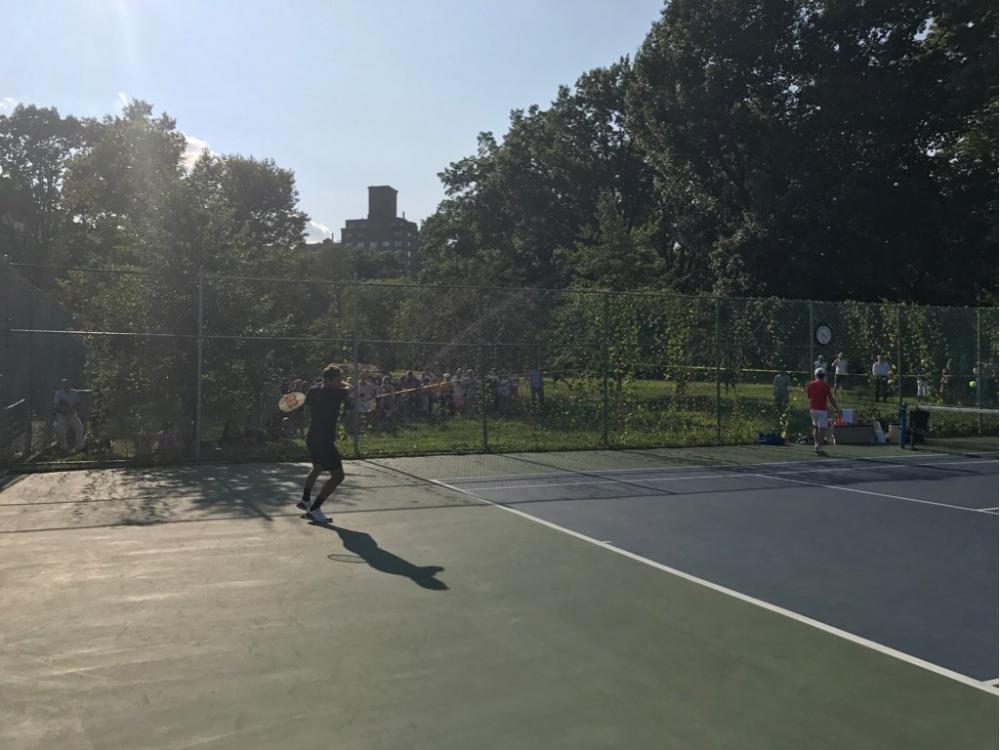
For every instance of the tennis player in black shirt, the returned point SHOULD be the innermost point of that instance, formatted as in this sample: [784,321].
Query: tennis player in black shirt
[324,403]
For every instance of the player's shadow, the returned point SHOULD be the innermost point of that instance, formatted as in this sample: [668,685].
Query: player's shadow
[365,547]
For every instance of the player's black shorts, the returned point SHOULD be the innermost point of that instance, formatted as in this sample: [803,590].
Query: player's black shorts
[324,453]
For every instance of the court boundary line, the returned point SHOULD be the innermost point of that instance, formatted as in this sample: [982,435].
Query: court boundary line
[599,480]
[868,492]
[495,477]
[830,629]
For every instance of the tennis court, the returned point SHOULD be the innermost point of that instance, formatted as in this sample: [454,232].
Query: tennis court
[751,597]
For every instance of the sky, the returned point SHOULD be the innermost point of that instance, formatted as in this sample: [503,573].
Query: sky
[346,93]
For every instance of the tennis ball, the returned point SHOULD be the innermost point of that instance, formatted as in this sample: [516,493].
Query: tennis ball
[972,384]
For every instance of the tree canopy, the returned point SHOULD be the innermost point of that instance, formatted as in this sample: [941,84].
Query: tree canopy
[823,149]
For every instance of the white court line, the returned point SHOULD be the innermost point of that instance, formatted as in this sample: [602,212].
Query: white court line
[994,683]
[880,648]
[513,487]
[606,472]
[869,492]
[689,477]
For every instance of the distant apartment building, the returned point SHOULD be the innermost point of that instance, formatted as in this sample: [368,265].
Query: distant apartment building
[383,233]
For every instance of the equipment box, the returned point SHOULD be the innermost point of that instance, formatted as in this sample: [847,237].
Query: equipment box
[854,434]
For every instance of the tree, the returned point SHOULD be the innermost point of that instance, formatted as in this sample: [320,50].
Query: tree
[514,208]
[35,146]
[259,199]
[790,138]
[139,209]
[614,256]
[118,188]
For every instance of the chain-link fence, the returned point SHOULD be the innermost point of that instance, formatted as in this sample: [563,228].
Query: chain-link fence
[31,366]
[189,365]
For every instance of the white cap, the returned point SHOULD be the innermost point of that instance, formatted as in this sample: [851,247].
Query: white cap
[819,371]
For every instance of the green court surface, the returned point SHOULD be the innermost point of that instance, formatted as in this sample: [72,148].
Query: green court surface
[191,607]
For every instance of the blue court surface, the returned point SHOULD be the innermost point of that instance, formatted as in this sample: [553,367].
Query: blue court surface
[899,553]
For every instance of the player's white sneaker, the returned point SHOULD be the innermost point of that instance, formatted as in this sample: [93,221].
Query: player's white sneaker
[303,506]
[319,516]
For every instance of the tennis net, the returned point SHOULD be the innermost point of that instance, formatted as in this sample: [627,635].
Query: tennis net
[955,429]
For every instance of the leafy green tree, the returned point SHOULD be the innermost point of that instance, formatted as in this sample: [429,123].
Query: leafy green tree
[35,146]
[139,208]
[614,256]
[260,201]
[798,146]
[514,209]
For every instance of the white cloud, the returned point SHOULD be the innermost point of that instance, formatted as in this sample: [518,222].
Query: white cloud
[123,99]
[316,232]
[193,149]
[7,105]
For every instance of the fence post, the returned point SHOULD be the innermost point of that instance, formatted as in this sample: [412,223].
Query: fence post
[899,353]
[812,343]
[718,379]
[356,335]
[606,345]
[483,397]
[30,426]
[201,344]
[979,369]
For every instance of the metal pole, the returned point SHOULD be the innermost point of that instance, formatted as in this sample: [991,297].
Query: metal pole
[483,397]
[718,379]
[607,365]
[355,411]
[899,353]
[201,342]
[979,368]
[482,375]
[812,342]
[899,376]
[29,422]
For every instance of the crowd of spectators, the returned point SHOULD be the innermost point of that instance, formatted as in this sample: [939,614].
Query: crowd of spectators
[383,398]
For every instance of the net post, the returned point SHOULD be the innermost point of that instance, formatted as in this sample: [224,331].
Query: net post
[201,345]
[356,385]
[718,379]
[606,346]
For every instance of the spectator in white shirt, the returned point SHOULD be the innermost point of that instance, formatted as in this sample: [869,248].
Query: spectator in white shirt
[840,374]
